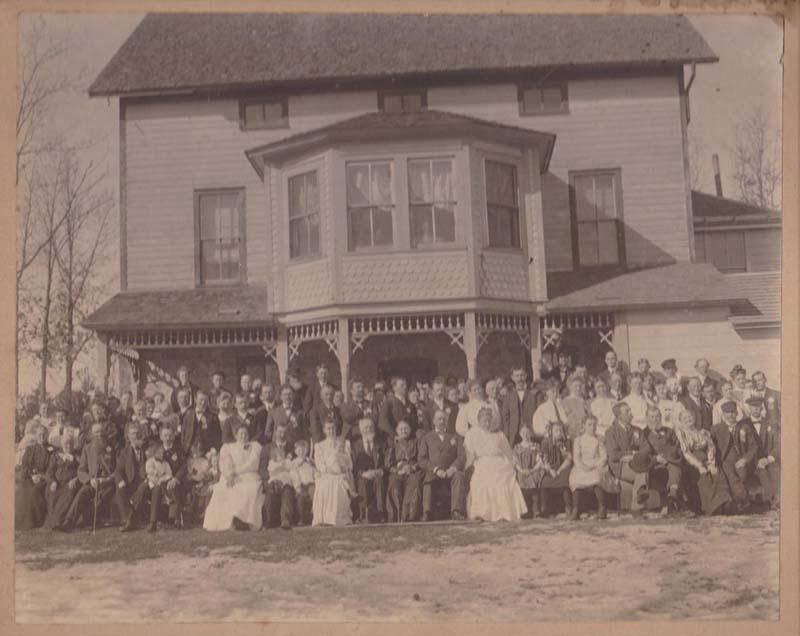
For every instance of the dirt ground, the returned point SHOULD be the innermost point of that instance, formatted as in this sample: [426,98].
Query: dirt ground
[624,569]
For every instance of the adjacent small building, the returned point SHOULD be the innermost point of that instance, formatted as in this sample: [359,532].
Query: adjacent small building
[410,194]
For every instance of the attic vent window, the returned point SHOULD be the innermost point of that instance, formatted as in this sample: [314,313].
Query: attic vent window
[260,113]
[402,101]
[544,99]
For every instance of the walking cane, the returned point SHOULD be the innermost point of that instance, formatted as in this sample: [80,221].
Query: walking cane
[94,518]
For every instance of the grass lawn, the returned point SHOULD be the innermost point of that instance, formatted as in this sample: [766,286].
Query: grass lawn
[526,571]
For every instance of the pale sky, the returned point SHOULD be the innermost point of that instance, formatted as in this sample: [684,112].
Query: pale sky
[748,76]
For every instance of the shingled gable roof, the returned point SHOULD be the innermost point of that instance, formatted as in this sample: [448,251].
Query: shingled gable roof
[202,307]
[668,286]
[709,210]
[424,124]
[181,51]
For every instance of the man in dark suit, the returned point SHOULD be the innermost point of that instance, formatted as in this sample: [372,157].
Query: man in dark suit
[438,402]
[768,458]
[622,441]
[217,387]
[614,365]
[659,458]
[266,402]
[695,402]
[129,474]
[176,458]
[183,383]
[397,407]
[368,471]
[242,417]
[520,405]
[96,474]
[200,424]
[441,457]
[289,415]
[280,503]
[313,395]
[323,411]
[737,447]
[354,410]
[562,371]
[771,397]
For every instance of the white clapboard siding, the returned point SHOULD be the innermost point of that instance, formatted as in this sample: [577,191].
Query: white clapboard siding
[696,333]
[174,148]
[763,250]
[629,123]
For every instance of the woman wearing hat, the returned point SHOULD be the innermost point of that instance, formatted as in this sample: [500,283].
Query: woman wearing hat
[705,486]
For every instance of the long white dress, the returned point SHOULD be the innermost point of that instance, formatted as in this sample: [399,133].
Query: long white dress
[333,483]
[493,492]
[245,499]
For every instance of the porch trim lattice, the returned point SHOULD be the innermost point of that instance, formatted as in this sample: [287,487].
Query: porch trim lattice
[126,341]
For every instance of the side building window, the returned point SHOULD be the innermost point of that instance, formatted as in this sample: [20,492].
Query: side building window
[370,205]
[725,250]
[220,237]
[402,101]
[258,114]
[304,206]
[502,205]
[598,233]
[431,200]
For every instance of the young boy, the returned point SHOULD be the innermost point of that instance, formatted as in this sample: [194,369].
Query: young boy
[303,481]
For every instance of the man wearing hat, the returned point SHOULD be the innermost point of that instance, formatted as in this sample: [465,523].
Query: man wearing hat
[769,451]
[659,458]
[737,447]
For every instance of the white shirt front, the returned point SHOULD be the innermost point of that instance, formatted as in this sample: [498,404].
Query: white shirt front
[638,406]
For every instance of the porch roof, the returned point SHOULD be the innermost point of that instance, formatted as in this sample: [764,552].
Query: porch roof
[667,286]
[383,126]
[201,307]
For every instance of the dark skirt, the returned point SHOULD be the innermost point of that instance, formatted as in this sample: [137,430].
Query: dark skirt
[709,491]
[30,505]
[60,501]
[403,497]
[559,481]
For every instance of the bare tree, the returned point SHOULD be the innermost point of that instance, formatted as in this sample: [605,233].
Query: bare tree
[758,163]
[81,248]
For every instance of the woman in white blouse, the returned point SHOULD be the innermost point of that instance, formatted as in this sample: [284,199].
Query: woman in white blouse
[333,486]
[467,417]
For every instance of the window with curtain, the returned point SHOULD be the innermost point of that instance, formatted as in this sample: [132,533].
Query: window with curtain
[597,218]
[725,250]
[220,236]
[432,202]
[370,204]
[502,205]
[304,215]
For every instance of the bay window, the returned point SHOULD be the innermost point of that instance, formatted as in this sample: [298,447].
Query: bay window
[370,204]
[304,205]
[431,202]
[502,205]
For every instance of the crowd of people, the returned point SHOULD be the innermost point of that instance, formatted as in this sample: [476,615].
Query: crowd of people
[501,449]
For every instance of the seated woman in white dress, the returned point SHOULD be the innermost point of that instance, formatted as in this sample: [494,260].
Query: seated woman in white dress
[589,460]
[494,493]
[333,485]
[237,498]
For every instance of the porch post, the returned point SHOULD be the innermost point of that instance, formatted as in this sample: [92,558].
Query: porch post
[471,343]
[282,352]
[103,361]
[535,347]
[343,353]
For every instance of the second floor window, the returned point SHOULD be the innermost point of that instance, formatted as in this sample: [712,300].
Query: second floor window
[725,250]
[430,194]
[304,215]
[502,205]
[402,101]
[220,236]
[370,204]
[255,114]
[547,99]
[598,231]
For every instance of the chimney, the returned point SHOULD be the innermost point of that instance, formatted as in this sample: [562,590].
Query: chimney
[717,177]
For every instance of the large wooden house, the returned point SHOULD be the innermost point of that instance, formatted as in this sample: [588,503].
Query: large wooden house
[408,194]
